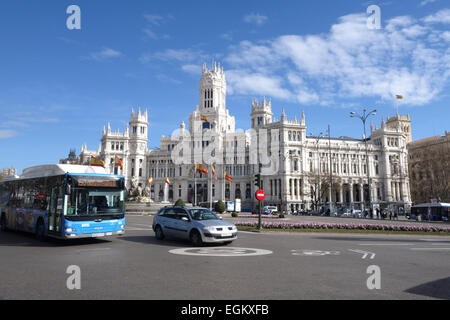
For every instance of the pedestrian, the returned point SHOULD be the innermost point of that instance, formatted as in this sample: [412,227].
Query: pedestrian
[390,215]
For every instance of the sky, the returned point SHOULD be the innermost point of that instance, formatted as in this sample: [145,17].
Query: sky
[59,87]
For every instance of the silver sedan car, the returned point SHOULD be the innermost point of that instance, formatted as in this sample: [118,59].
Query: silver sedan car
[199,225]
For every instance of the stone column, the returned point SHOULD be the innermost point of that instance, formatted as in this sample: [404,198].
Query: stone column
[351,192]
[361,193]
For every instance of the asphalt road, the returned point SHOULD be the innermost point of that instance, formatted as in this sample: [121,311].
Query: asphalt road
[298,266]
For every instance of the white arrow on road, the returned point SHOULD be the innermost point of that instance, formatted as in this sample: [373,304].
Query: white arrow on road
[364,253]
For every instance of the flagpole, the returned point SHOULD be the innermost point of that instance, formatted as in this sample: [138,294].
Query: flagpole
[210,190]
[195,185]
[223,183]
[396,104]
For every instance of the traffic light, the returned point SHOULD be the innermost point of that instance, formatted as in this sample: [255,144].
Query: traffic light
[258,180]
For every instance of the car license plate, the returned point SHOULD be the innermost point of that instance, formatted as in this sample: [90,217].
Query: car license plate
[94,235]
[224,235]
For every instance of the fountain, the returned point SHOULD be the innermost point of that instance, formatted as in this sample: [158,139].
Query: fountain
[166,193]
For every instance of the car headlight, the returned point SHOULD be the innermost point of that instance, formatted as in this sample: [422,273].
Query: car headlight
[208,229]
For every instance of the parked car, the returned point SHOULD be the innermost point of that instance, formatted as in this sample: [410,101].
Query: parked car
[272,209]
[358,214]
[346,213]
[199,225]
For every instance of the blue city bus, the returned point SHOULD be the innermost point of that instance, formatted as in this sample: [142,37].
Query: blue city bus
[431,211]
[63,201]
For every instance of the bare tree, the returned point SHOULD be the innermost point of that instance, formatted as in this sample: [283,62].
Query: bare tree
[430,175]
[319,192]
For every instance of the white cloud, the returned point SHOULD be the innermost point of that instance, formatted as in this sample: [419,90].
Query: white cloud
[242,82]
[154,19]
[425,2]
[184,56]
[442,16]
[348,62]
[255,18]
[6,134]
[104,54]
[153,35]
[227,36]
[194,69]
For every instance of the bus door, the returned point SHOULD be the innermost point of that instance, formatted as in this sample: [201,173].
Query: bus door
[55,210]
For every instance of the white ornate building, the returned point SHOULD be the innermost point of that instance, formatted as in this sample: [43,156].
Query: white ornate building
[293,163]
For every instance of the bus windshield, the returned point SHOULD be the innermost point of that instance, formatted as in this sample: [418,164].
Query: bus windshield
[95,202]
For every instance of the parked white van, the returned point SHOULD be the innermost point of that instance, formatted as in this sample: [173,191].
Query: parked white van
[271,209]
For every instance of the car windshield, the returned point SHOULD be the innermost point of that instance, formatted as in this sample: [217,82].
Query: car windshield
[88,201]
[202,214]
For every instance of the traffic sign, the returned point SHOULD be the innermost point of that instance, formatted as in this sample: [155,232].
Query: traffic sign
[260,195]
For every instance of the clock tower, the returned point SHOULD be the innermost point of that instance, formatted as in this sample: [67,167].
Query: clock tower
[212,108]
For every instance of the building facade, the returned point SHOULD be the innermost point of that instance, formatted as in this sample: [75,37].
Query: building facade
[9,172]
[429,166]
[298,171]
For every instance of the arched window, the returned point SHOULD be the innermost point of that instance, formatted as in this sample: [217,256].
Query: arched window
[238,193]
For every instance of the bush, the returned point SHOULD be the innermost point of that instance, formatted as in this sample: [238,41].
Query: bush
[219,206]
[235,214]
[180,203]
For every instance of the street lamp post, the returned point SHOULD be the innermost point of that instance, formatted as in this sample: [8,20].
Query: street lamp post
[285,156]
[318,198]
[363,118]
[330,193]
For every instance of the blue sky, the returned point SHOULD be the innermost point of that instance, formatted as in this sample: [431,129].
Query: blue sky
[59,87]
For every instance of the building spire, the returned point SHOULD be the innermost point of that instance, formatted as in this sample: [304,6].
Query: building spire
[283,115]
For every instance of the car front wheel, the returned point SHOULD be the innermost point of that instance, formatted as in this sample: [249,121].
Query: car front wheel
[196,238]
[159,234]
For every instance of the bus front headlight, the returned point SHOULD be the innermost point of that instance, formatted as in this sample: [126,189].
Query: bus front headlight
[70,230]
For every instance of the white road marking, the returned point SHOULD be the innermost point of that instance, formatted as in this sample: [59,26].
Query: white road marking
[314,253]
[249,232]
[386,244]
[431,249]
[364,253]
[137,229]
[221,252]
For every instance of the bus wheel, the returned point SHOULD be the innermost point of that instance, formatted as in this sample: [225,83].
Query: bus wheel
[40,231]
[3,223]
